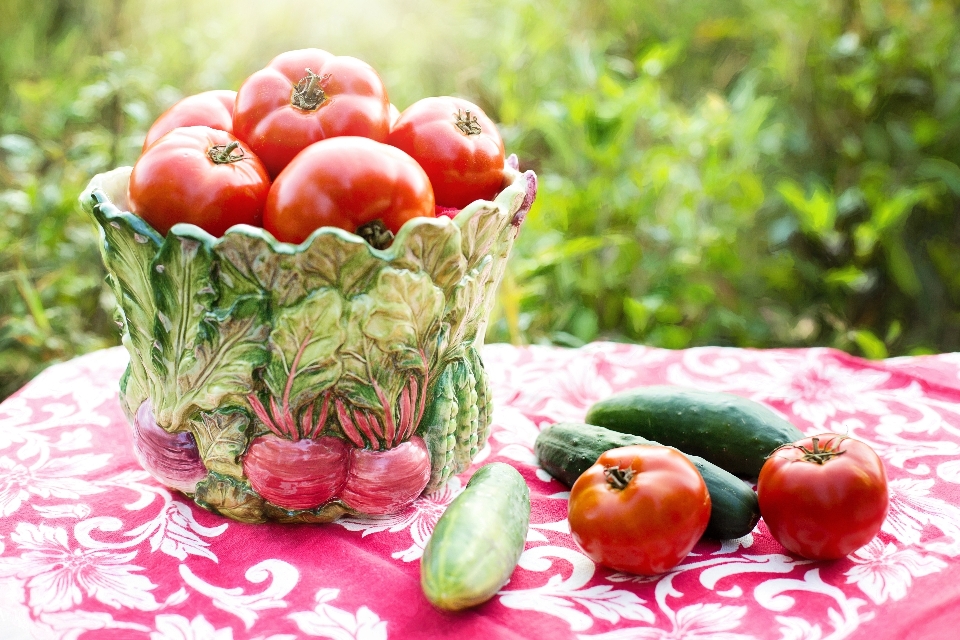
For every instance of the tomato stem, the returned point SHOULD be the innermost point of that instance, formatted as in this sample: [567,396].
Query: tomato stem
[224,153]
[308,95]
[817,455]
[618,478]
[376,233]
[467,123]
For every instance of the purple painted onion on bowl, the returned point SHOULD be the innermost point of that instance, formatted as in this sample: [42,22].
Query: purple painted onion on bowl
[171,458]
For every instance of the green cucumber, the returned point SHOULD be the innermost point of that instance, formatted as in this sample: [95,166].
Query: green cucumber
[733,433]
[565,450]
[478,539]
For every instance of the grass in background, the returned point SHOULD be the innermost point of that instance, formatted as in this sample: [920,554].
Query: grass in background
[752,173]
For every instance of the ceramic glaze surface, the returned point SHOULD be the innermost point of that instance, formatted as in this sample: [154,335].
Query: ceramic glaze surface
[355,371]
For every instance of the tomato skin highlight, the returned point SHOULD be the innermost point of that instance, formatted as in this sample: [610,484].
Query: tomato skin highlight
[354,103]
[462,167]
[212,109]
[346,182]
[824,511]
[175,180]
[651,524]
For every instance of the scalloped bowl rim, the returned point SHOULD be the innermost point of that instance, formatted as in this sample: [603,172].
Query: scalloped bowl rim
[509,200]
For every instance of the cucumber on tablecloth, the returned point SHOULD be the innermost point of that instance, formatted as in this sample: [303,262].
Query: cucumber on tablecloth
[478,539]
[565,450]
[734,433]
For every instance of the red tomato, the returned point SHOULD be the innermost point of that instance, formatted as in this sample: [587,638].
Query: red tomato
[350,183]
[823,497]
[306,96]
[639,509]
[456,144]
[198,175]
[212,109]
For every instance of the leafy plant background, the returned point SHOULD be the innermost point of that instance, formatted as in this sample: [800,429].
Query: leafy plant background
[734,172]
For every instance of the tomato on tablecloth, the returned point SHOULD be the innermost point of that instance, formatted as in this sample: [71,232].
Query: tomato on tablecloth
[91,546]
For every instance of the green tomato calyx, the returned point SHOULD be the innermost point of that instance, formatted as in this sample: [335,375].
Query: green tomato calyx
[308,95]
[818,454]
[376,233]
[467,123]
[618,478]
[226,153]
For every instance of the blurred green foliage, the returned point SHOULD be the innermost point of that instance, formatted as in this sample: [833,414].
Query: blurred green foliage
[736,172]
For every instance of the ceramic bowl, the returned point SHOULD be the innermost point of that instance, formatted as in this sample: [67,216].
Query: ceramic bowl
[297,383]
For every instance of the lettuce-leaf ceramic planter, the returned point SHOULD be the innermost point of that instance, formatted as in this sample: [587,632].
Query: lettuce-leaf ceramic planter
[272,381]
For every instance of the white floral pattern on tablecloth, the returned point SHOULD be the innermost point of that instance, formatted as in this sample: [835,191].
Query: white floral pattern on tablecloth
[91,545]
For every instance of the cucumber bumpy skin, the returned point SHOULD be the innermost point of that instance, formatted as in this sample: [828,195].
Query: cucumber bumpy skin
[734,433]
[565,450]
[478,539]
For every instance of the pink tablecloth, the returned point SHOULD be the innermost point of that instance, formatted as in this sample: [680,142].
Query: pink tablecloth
[92,547]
